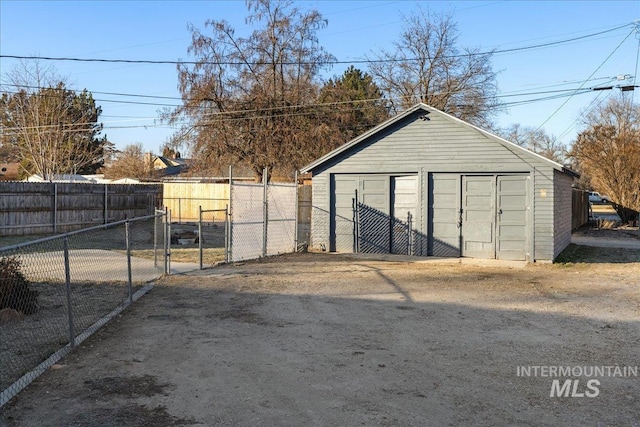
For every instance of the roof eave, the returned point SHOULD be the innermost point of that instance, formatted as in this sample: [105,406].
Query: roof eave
[344,147]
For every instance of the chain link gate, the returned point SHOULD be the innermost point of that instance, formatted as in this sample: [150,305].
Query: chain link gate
[213,236]
[263,219]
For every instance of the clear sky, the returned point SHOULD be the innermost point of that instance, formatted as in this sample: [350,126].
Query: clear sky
[157,30]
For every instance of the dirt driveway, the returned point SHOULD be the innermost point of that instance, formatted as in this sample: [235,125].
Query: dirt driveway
[320,339]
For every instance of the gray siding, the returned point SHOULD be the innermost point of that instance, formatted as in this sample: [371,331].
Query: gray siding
[442,144]
[562,212]
[439,145]
[543,214]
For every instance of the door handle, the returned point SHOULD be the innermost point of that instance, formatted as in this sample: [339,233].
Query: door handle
[499,211]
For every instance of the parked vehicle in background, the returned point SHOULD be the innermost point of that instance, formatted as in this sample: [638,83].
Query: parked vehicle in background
[595,197]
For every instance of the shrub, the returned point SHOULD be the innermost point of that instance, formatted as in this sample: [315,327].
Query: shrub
[15,289]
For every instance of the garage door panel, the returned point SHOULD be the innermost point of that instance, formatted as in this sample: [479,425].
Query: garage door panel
[404,203]
[512,201]
[450,229]
[511,232]
[478,215]
[480,234]
[511,184]
[444,201]
[512,218]
[374,221]
[446,214]
[444,207]
[478,207]
[511,245]
[477,185]
[375,201]
[342,225]
[480,202]
[377,184]
[404,191]
[478,246]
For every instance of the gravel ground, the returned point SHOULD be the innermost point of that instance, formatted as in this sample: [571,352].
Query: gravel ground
[318,339]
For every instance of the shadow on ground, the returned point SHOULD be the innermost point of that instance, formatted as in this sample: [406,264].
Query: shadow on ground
[331,340]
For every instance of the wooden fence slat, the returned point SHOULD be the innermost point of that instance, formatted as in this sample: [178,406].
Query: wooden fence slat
[28,207]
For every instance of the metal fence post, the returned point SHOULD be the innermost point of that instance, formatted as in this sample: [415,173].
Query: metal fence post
[409,234]
[169,242]
[295,237]
[155,238]
[227,235]
[165,241]
[106,204]
[55,208]
[127,235]
[200,234]
[229,249]
[356,223]
[67,278]
[265,212]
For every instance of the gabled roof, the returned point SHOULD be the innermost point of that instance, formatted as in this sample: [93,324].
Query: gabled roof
[424,107]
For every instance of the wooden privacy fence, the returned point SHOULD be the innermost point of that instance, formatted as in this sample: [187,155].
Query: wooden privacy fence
[50,207]
[184,199]
[579,208]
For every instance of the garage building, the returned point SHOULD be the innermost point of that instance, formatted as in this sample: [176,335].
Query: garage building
[428,184]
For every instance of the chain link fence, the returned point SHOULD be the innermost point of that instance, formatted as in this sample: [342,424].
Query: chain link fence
[282,218]
[56,291]
[248,227]
[213,236]
[263,219]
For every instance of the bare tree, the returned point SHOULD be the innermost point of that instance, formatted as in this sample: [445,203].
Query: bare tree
[426,65]
[131,162]
[608,151]
[51,129]
[250,100]
[536,140]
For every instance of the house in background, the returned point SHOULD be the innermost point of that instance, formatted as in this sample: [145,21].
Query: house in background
[167,166]
[428,184]
[83,179]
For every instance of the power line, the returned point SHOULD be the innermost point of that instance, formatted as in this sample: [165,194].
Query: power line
[133,95]
[566,92]
[176,98]
[264,113]
[362,61]
[579,88]
[591,104]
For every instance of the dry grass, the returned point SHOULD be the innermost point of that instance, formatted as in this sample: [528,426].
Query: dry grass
[209,256]
[588,254]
